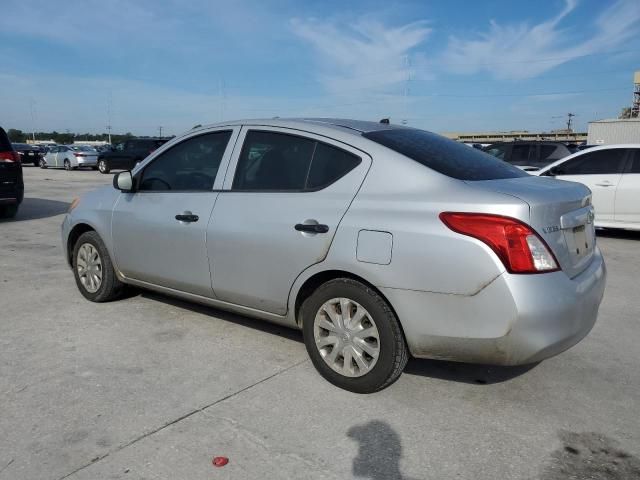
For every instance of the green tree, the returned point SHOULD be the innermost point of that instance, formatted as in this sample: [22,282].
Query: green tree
[16,136]
[625,113]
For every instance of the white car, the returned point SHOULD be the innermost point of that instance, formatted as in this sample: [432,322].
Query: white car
[70,157]
[612,172]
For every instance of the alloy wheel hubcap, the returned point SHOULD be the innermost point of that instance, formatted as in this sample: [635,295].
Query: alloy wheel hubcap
[346,337]
[101,166]
[89,266]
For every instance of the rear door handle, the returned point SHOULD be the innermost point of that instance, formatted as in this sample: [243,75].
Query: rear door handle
[312,227]
[605,183]
[187,217]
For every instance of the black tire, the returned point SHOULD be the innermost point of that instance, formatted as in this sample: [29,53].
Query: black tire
[8,211]
[393,354]
[43,163]
[103,166]
[36,163]
[110,288]
[67,165]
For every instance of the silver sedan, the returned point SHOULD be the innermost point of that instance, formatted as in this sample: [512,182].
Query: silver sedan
[377,241]
[70,157]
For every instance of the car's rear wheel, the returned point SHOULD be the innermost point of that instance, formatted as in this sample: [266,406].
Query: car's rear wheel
[94,273]
[353,337]
[67,165]
[35,163]
[43,163]
[8,211]
[103,166]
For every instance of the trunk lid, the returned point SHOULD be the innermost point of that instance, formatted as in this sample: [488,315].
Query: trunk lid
[560,212]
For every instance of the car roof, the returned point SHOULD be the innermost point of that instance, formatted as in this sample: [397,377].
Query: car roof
[339,124]
[588,150]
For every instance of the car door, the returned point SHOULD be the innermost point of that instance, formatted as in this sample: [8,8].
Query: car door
[159,231]
[600,170]
[627,203]
[283,199]
[50,157]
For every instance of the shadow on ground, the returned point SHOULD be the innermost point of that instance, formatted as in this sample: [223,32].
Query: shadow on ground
[623,234]
[465,372]
[379,451]
[35,208]
[261,325]
[441,369]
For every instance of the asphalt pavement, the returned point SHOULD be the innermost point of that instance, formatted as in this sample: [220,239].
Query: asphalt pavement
[150,387]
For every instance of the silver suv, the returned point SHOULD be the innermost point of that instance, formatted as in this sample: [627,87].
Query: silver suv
[378,241]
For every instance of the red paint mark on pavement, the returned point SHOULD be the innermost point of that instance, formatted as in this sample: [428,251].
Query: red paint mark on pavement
[220,461]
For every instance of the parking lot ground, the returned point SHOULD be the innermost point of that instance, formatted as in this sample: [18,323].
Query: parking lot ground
[151,387]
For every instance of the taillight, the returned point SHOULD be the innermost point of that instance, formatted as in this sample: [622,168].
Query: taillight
[9,157]
[519,248]
[78,154]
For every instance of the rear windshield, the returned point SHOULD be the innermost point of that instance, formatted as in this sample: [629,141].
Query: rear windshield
[450,158]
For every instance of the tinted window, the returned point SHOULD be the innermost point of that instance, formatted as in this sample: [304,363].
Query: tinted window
[5,144]
[546,151]
[191,165]
[273,161]
[592,163]
[498,151]
[635,163]
[329,164]
[443,155]
[520,154]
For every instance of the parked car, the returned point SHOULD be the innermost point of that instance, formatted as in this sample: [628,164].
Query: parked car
[11,183]
[28,153]
[86,156]
[612,173]
[127,154]
[528,156]
[378,241]
[64,156]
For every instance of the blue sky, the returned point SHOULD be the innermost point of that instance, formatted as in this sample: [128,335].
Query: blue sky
[454,65]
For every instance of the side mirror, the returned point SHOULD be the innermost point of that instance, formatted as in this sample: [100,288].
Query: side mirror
[123,181]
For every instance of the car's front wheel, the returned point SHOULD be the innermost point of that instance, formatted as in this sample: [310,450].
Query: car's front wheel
[94,273]
[103,166]
[353,336]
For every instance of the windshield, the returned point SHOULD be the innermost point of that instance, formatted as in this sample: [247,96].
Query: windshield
[450,158]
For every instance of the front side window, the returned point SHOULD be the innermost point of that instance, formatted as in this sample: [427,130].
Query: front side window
[599,162]
[191,165]
[635,162]
[498,151]
[272,161]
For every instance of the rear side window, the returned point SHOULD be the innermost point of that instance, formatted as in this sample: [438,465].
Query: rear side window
[272,161]
[444,156]
[498,151]
[599,162]
[520,154]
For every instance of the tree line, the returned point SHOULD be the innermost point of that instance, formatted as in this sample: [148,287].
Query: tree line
[18,136]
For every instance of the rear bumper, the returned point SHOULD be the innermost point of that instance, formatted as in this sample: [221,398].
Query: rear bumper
[516,319]
[11,196]
[87,162]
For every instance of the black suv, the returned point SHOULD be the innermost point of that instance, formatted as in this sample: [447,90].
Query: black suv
[529,155]
[126,155]
[28,153]
[11,184]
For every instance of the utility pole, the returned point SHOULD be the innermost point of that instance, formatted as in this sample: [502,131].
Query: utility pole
[569,121]
[160,132]
[109,100]
[33,120]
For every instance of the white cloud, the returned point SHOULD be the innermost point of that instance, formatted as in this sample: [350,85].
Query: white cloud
[365,56]
[518,51]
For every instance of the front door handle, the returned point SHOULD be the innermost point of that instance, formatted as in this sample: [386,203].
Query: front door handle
[312,227]
[187,217]
[605,183]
